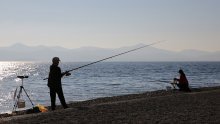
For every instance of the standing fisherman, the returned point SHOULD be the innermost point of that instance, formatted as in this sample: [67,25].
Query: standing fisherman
[54,83]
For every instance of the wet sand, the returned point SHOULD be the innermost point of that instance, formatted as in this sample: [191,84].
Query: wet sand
[199,106]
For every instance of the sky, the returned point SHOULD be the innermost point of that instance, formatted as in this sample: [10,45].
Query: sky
[183,24]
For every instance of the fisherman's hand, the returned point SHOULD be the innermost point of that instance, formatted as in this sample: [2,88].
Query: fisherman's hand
[67,73]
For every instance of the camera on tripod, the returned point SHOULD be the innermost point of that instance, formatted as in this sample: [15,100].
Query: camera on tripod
[22,77]
[19,103]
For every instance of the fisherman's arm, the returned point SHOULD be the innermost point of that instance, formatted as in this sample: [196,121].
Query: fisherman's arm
[66,73]
[176,79]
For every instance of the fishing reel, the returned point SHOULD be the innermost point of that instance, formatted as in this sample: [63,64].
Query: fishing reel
[67,73]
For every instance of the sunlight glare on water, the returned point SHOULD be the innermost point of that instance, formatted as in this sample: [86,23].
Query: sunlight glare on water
[99,80]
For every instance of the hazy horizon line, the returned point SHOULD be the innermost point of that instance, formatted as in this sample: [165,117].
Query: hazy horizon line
[28,45]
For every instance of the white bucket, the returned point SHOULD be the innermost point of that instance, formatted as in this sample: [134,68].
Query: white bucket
[168,88]
[21,103]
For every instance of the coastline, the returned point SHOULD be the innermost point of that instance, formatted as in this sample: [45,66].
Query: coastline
[202,105]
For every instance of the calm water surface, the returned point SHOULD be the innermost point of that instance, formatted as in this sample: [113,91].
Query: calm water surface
[101,79]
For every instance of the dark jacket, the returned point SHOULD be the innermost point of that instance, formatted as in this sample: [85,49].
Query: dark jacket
[55,76]
[183,79]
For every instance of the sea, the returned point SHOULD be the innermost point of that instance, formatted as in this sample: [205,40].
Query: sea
[104,79]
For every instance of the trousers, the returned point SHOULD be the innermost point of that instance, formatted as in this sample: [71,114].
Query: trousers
[59,92]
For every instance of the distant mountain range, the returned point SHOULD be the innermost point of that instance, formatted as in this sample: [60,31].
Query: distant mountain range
[21,52]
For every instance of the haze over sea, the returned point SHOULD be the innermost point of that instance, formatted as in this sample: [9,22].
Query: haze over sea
[103,79]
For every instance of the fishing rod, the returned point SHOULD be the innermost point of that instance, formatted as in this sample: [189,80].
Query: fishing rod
[112,56]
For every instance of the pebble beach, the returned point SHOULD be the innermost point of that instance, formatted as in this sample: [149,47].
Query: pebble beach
[158,107]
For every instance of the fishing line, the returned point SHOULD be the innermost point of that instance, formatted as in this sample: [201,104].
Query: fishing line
[112,56]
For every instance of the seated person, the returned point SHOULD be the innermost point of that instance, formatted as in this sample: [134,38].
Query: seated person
[183,82]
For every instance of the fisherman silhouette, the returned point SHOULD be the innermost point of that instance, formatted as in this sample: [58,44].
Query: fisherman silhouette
[54,83]
[183,82]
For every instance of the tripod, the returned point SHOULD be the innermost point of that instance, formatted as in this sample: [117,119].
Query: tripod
[20,92]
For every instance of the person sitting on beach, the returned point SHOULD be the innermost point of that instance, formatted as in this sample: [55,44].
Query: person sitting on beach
[183,82]
[54,83]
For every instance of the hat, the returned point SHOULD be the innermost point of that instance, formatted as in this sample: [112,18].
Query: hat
[55,59]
